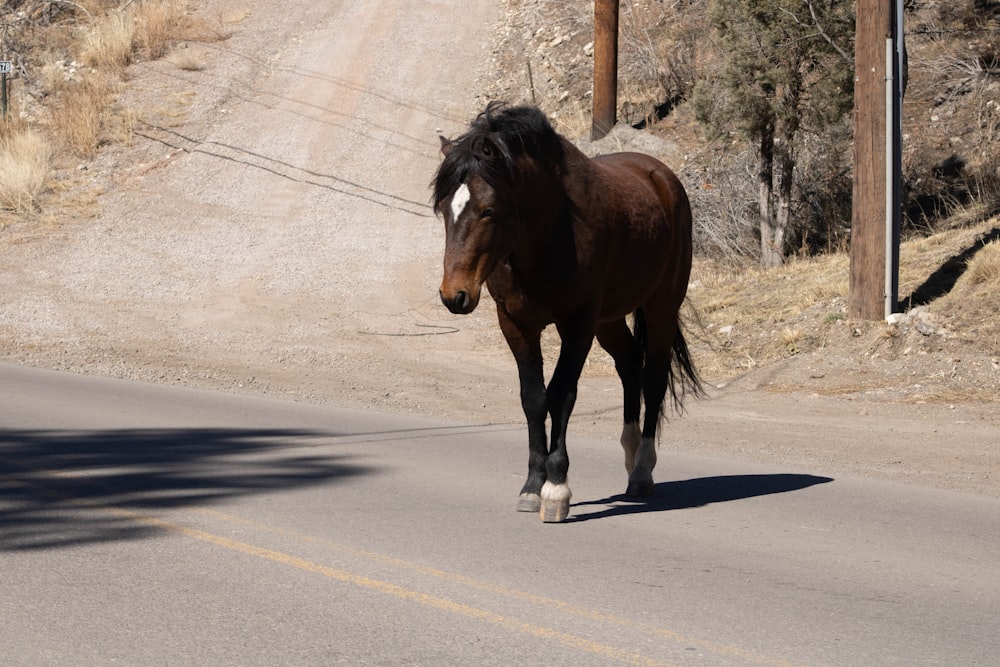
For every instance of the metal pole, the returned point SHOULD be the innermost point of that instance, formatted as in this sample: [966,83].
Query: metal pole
[895,84]
[605,67]
[890,178]
[897,168]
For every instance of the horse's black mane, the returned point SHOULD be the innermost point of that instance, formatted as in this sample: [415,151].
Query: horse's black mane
[492,145]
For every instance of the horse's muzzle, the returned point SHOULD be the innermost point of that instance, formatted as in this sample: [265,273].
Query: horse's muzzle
[460,303]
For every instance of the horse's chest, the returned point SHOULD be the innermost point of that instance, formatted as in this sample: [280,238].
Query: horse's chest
[538,297]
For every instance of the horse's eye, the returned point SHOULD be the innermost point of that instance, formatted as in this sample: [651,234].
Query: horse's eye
[486,213]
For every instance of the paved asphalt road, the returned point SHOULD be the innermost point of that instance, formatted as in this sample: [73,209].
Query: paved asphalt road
[141,524]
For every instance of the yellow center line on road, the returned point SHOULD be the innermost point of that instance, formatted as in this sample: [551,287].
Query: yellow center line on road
[469,582]
[433,601]
[426,599]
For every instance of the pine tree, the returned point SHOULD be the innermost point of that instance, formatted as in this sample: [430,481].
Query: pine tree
[787,66]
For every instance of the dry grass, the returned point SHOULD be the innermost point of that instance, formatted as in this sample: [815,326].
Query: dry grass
[163,25]
[189,59]
[984,268]
[52,77]
[746,318]
[790,339]
[112,40]
[972,307]
[78,67]
[574,120]
[80,112]
[158,25]
[79,92]
[25,165]
[751,293]
[108,43]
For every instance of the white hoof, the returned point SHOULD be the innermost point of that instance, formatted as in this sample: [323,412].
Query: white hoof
[555,502]
[640,479]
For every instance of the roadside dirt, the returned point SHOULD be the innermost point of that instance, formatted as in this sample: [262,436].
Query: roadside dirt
[267,231]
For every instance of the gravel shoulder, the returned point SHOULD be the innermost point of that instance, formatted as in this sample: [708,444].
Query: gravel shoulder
[268,232]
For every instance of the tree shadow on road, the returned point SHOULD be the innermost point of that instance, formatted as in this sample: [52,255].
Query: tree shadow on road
[692,493]
[64,488]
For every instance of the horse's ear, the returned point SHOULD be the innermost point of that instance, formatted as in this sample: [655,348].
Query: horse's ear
[446,146]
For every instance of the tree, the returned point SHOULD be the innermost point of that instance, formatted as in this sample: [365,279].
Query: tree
[786,66]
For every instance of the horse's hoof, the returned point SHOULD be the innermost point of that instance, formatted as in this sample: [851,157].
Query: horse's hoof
[529,502]
[639,489]
[555,502]
[554,511]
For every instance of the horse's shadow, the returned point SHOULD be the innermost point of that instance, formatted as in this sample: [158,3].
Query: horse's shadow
[691,493]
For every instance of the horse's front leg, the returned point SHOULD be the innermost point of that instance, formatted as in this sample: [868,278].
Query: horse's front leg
[526,348]
[577,337]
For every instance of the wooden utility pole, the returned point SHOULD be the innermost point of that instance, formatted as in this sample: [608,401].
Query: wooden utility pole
[605,67]
[875,211]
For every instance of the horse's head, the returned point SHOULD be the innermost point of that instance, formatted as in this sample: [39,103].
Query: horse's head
[479,225]
[484,175]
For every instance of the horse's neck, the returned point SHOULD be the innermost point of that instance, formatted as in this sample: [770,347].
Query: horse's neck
[546,237]
[546,209]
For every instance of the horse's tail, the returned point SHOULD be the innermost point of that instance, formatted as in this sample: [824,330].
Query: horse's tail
[682,377]
[639,334]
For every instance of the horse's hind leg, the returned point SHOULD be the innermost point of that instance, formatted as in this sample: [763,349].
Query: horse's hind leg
[626,351]
[660,332]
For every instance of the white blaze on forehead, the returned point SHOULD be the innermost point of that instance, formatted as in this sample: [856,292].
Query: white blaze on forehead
[459,201]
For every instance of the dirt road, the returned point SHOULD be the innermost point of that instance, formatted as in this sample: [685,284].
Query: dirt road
[267,232]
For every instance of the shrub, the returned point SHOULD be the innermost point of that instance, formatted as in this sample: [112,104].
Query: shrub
[78,114]
[25,164]
[108,42]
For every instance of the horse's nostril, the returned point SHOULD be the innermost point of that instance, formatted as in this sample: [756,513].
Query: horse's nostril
[460,304]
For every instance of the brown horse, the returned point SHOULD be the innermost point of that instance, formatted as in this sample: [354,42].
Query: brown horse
[559,238]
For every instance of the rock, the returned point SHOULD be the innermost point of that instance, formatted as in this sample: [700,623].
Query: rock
[624,137]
